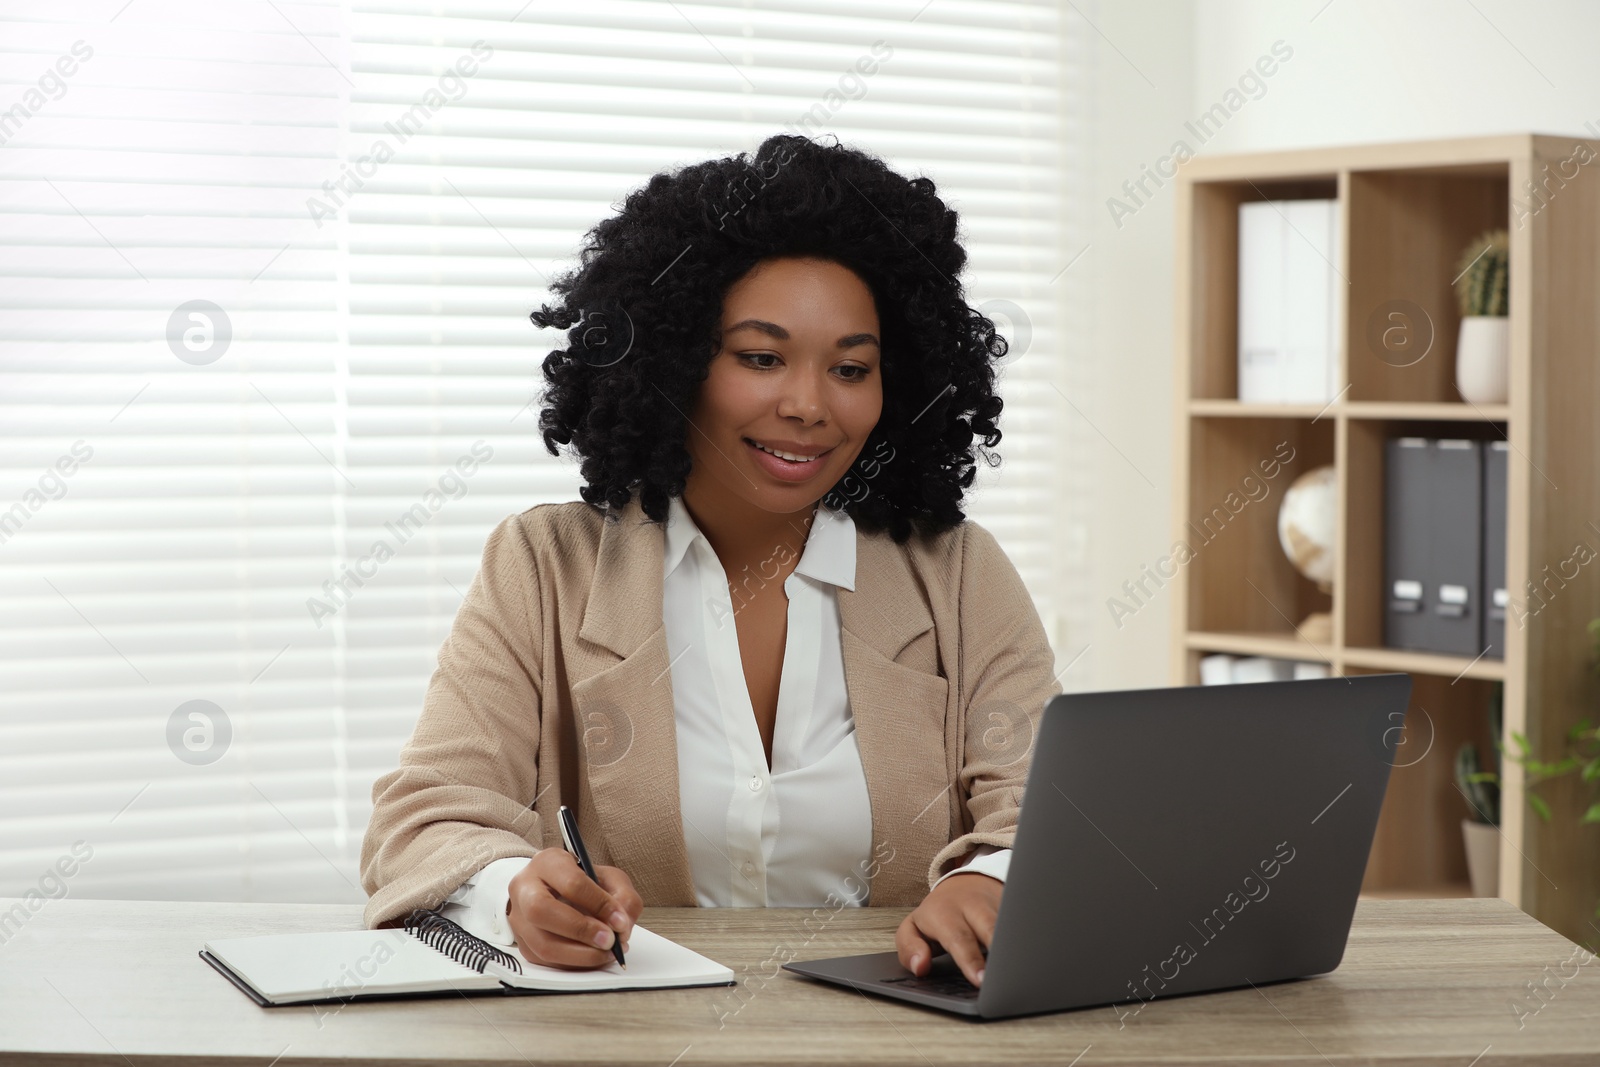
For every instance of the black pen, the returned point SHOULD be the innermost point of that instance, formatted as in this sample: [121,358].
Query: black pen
[574,843]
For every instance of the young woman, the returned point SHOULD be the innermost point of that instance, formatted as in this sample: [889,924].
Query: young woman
[766,660]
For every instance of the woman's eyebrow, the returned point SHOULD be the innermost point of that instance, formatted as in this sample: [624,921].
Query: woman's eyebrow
[772,329]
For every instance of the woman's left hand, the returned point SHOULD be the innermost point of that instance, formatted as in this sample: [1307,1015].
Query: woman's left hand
[957,916]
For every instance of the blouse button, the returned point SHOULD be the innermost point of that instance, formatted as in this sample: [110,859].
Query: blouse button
[755,783]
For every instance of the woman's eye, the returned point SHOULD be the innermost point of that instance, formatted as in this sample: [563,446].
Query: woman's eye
[852,372]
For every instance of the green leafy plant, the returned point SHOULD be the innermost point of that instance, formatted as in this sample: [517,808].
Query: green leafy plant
[1483,275]
[1582,755]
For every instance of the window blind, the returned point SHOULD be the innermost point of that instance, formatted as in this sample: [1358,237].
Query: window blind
[268,270]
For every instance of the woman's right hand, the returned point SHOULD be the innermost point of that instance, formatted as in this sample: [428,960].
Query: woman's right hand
[561,918]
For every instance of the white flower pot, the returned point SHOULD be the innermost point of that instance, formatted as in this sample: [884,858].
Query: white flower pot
[1483,359]
[1483,857]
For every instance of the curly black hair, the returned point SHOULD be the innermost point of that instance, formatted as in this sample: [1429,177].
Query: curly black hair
[643,312]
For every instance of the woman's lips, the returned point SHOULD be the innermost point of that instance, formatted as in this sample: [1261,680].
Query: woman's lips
[783,469]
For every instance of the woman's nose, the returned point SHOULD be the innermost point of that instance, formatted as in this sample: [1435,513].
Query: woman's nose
[803,397]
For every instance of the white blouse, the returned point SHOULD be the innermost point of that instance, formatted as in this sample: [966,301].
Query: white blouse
[799,834]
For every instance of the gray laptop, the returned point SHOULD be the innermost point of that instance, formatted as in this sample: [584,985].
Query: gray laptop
[1175,841]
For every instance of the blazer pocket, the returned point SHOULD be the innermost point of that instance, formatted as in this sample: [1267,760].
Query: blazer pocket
[902,723]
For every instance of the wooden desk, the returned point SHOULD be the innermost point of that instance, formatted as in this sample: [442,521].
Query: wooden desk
[1423,982]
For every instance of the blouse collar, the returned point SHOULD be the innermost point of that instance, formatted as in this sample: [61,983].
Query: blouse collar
[829,555]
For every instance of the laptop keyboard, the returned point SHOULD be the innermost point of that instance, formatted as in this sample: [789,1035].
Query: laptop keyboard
[954,985]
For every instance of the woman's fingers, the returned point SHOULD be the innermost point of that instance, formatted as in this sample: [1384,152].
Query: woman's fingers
[553,950]
[551,912]
[538,921]
[583,893]
[561,919]
[958,919]
[915,952]
[957,937]
[981,917]
[616,882]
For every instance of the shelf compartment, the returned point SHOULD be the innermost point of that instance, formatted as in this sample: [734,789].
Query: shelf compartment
[1214,273]
[1237,577]
[1418,842]
[1406,231]
[1363,557]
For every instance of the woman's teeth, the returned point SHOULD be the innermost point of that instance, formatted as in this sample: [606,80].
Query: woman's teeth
[791,457]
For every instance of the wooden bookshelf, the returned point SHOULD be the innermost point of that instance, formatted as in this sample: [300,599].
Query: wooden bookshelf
[1406,212]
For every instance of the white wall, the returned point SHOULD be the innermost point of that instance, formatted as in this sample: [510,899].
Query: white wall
[1359,71]
[1141,73]
[1389,70]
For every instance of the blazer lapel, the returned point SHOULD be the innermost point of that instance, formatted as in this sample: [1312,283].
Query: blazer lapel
[623,712]
[900,715]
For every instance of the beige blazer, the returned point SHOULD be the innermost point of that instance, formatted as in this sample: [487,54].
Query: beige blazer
[553,688]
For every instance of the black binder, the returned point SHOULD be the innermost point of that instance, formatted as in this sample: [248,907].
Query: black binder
[1496,455]
[1405,558]
[1433,545]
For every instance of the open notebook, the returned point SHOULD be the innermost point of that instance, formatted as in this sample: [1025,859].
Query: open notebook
[434,955]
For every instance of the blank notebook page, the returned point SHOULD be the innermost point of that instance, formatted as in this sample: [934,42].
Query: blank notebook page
[652,961]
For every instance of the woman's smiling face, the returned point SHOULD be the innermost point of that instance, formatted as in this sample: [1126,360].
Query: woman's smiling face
[798,373]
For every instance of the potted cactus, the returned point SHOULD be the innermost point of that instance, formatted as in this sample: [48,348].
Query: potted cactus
[1483,345]
[1480,831]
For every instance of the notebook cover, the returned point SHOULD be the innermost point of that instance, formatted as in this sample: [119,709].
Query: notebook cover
[245,988]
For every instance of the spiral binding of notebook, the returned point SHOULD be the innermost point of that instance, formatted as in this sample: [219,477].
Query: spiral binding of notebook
[439,933]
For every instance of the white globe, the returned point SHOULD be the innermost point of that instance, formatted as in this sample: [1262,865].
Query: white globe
[1306,525]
